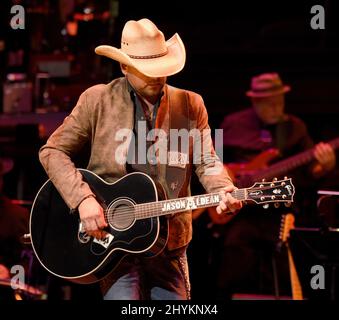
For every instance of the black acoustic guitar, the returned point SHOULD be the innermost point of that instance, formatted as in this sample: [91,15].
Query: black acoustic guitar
[137,222]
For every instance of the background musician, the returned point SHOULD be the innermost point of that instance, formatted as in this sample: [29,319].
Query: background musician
[250,239]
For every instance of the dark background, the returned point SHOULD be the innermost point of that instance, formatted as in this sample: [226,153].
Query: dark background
[227,43]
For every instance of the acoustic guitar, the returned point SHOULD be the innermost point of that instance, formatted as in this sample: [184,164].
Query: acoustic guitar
[137,222]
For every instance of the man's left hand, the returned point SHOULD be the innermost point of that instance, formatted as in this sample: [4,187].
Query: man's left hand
[228,203]
[325,155]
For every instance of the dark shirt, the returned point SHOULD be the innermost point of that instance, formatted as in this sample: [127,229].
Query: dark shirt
[245,136]
[143,124]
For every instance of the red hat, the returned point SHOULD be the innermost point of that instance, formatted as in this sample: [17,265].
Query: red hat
[267,84]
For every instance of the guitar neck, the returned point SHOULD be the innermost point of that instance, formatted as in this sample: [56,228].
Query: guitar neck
[260,193]
[290,163]
[287,223]
[166,207]
[297,293]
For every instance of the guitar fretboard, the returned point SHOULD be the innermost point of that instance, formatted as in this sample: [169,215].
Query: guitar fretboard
[165,207]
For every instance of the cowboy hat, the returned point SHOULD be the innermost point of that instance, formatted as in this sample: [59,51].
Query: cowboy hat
[266,85]
[143,47]
[6,165]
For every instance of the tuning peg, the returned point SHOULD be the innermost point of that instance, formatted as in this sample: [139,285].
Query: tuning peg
[285,178]
[265,206]
[275,179]
[277,205]
[263,180]
[288,204]
[283,183]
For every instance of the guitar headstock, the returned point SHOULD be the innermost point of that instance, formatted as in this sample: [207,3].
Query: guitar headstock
[276,191]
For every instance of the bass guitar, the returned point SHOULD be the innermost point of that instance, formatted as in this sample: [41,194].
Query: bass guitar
[260,167]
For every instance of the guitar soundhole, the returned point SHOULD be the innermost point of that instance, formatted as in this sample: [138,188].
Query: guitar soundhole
[121,214]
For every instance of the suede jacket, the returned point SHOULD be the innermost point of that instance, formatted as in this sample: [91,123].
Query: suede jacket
[101,112]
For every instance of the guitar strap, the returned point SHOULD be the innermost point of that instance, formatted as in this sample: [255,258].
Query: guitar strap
[178,148]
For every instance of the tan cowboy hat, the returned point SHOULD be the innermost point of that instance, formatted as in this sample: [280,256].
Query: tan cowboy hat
[143,47]
[266,85]
[6,165]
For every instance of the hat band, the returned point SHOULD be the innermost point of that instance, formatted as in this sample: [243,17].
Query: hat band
[277,87]
[149,57]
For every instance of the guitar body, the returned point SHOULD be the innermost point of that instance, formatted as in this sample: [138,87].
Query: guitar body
[65,250]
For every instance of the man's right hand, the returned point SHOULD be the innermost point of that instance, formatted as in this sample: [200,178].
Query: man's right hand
[92,217]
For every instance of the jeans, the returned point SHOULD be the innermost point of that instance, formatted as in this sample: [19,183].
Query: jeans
[163,277]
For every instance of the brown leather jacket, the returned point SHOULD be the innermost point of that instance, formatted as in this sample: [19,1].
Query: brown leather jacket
[100,112]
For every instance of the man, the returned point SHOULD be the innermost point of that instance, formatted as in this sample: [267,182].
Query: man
[139,100]
[13,225]
[251,237]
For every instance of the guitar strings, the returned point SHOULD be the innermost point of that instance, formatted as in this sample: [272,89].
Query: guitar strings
[145,210]
[158,203]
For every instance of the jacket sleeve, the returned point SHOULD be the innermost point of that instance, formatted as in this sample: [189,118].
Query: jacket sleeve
[209,168]
[56,155]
